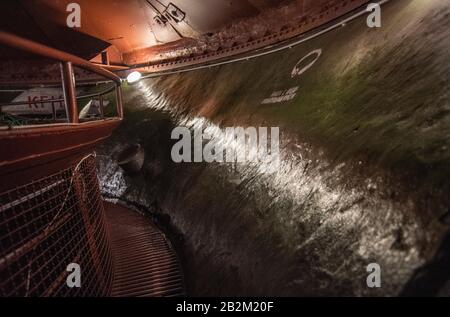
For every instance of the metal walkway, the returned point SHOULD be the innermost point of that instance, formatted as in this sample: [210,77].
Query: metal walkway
[145,263]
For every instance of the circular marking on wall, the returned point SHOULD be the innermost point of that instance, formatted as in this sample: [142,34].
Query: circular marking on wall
[298,70]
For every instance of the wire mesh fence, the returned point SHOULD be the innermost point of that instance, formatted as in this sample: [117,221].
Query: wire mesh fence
[47,225]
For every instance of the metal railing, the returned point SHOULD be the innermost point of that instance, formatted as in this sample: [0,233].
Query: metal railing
[50,223]
[67,74]
[51,209]
[100,95]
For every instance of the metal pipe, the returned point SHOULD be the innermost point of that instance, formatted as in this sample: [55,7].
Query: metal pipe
[25,102]
[102,114]
[119,102]
[68,81]
[101,93]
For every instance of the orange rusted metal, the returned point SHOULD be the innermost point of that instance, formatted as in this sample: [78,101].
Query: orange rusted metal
[144,260]
[36,151]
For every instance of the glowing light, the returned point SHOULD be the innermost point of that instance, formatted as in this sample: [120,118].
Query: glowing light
[134,77]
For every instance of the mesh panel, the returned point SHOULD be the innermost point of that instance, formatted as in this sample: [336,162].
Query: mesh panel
[48,224]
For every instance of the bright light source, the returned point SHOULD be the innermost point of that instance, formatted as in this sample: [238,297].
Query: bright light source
[134,77]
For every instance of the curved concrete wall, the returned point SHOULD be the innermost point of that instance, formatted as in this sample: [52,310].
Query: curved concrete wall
[364,174]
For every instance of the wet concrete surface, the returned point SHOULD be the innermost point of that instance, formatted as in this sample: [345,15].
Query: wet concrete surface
[364,173]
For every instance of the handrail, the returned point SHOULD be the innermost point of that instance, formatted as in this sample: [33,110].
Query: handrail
[52,53]
[67,75]
[25,102]
[101,93]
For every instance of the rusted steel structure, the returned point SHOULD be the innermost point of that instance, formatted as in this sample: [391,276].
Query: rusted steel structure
[52,211]
[51,208]
[41,150]
[328,13]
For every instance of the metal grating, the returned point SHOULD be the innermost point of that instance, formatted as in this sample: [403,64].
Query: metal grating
[145,263]
[57,220]
[50,223]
